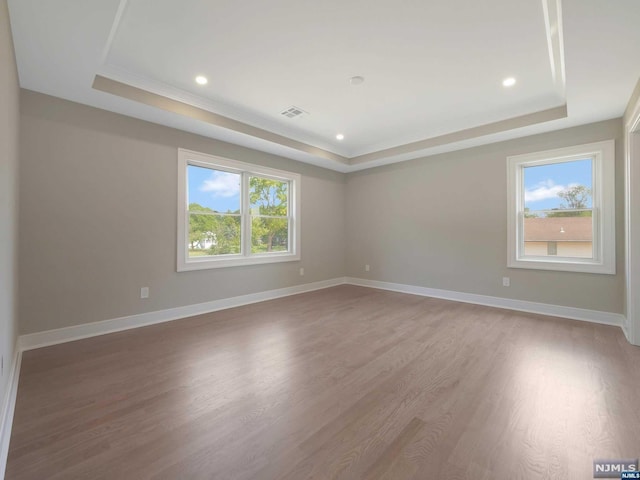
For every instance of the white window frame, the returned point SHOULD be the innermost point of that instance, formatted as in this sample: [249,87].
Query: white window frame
[602,155]
[188,157]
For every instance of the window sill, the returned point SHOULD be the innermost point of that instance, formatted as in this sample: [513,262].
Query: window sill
[236,261]
[578,266]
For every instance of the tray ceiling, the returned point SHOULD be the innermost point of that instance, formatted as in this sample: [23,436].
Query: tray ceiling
[432,71]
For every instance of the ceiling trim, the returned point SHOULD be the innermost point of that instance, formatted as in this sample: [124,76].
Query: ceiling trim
[114,29]
[147,84]
[553,26]
[467,134]
[124,90]
[130,92]
[114,80]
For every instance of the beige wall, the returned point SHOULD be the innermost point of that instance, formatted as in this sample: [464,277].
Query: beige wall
[441,222]
[98,218]
[9,121]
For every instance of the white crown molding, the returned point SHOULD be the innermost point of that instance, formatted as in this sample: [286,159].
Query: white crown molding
[594,316]
[8,408]
[86,330]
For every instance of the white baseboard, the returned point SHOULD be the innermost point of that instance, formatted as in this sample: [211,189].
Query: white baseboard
[627,328]
[627,333]
[8,407]
[77,332]
[594,316]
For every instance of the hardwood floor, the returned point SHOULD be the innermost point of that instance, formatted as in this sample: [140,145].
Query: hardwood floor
[346,382]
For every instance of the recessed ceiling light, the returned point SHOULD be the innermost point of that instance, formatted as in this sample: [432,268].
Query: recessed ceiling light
[509,82]
[340,136]
[357,80]
[200,80]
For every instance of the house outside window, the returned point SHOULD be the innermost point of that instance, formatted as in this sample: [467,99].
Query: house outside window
[561,209]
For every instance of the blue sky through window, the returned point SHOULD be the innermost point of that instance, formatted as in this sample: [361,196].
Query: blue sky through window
[543,183]
[214,189]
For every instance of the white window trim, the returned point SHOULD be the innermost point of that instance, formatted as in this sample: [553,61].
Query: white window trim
[603,198]
[188,157]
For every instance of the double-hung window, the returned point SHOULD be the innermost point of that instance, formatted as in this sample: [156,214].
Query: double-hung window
[232,213]
[561,209]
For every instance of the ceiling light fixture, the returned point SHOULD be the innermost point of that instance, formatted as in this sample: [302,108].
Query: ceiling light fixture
[340,136]
[357,80]
[509,82]
[201,80]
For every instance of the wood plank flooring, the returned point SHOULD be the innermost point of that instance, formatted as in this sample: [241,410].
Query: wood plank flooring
[342,383]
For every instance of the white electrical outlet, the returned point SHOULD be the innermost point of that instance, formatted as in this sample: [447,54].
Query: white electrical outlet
[144,292]
[506,281]
[301,271]
[367,268]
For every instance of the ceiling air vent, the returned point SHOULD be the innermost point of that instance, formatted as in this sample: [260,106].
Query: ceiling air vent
[292,112]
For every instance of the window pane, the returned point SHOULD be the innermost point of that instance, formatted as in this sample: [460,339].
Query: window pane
[269,235]
[268,197]
[212,190]
[565,185]
[213,235]
[558,233]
